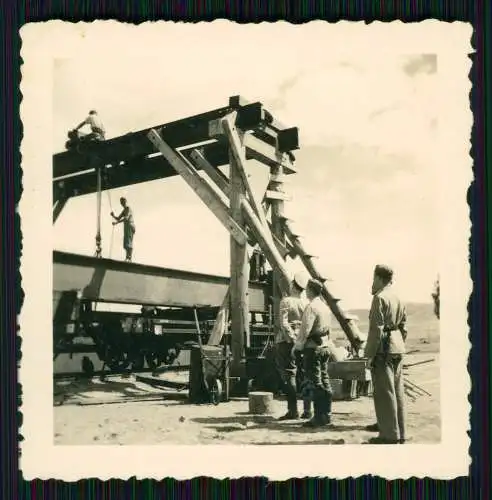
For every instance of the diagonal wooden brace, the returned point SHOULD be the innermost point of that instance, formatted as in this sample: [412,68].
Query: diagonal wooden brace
[204,192]
[349,327]
[265,241]
[238,151]
[222,182]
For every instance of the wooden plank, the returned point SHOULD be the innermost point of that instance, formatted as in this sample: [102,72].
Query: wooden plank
[278,195]
[221,321]
[257,149]
[201,189]
[214,173]
[277,211]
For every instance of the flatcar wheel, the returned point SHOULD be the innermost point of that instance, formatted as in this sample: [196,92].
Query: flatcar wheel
[251,385]
[138,362]
[153,361]
[215,390]
[87,366]
[117,361]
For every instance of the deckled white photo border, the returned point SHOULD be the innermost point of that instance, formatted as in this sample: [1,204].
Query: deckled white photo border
[40,458]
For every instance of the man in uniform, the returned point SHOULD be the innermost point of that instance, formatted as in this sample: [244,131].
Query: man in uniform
[126,217]
[313,342]
[98,133]
[384,350]
[291,309]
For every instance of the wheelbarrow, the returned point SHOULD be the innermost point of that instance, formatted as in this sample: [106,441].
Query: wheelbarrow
[209,372]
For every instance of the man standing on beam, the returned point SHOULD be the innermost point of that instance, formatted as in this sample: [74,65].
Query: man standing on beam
[126,217]
[291,309]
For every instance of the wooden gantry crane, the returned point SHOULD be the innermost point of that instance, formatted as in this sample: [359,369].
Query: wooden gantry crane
[231,135]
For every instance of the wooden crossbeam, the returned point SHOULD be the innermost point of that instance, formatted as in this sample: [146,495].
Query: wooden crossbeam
[201,189]
[277,195]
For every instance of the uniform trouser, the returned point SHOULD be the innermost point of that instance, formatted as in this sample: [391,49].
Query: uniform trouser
[302,384]
[388,393]
[316,373]
[128,232]
[286,366]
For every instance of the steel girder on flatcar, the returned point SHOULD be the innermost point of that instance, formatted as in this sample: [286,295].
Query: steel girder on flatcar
[106,280]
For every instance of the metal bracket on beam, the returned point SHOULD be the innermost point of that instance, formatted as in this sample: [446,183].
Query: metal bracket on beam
[288,139]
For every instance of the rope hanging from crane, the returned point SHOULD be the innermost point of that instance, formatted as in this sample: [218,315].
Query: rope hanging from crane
[100,187]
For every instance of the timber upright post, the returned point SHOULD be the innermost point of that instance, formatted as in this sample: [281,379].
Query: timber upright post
[277,214]
[239,269]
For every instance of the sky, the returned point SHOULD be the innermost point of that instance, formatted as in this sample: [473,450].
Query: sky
[366,185]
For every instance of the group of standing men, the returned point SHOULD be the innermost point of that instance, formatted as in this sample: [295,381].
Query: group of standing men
[302,343]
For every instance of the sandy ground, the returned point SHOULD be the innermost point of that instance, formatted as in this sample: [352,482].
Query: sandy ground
[150,416]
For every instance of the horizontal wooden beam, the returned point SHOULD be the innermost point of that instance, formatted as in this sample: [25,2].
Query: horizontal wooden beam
[277,195]
[209,197]
[265,153]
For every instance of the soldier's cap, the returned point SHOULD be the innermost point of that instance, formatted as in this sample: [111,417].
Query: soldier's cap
[315,285]
[383,271]
[300,280]
[93,112]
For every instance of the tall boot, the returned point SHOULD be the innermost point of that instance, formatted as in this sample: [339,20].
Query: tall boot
[307,413]
[292,411]
[328,398]
[317,419]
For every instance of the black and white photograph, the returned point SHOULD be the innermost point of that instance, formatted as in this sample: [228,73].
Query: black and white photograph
[250,230]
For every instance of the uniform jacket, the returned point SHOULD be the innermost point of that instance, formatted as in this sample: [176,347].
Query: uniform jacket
[315,320]
[291,310]
[387,314]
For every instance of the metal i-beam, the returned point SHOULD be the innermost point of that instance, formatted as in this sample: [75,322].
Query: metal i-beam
[105,280]
[146,169]
[180,133]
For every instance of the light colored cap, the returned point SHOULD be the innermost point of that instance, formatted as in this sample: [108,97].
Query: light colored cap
[301,280]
